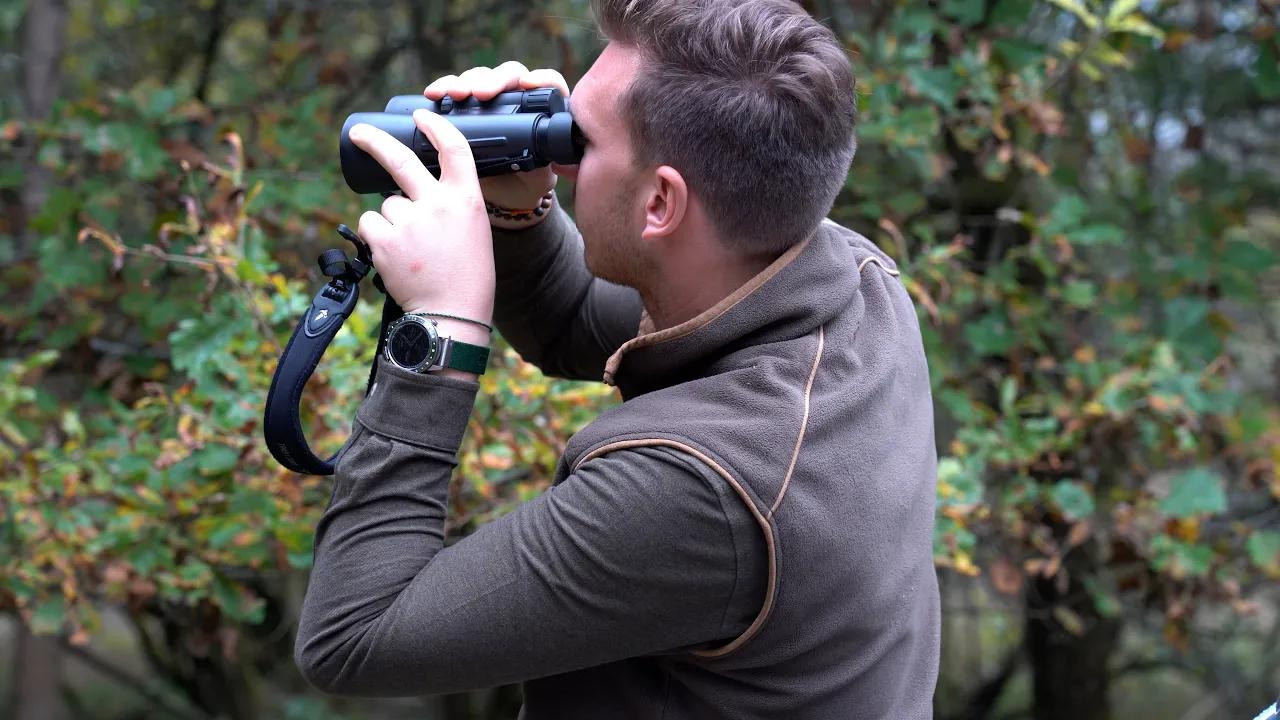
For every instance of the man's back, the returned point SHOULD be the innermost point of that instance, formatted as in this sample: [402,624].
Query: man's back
[806,395]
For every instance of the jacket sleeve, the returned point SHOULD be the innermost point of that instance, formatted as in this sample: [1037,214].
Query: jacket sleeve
[639,551]
[551,309]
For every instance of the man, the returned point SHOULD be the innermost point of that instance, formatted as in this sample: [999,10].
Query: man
[748,535]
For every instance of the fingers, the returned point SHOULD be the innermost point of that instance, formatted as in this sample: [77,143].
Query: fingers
[544,77]
[459,87]
[486,83]
[373,229]
[405,168]
[499,80]
[440,87]
[397,209]
[457,164]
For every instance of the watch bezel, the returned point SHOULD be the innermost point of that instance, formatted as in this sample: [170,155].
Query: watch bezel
[433,332]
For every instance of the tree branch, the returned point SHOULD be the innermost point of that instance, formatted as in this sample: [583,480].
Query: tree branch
[123,678]
[217,26]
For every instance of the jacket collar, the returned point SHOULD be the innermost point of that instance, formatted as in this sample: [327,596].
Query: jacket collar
[803,288]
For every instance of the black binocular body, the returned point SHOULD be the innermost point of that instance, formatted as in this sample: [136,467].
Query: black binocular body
[513,132]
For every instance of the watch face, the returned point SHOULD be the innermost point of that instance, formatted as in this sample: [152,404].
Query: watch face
[411,345]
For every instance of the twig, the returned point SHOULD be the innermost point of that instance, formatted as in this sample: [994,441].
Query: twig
[133,683]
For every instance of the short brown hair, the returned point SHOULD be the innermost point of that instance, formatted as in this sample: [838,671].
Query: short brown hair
[751,100]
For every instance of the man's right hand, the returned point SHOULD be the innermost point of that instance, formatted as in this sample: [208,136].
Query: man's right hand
[517,190]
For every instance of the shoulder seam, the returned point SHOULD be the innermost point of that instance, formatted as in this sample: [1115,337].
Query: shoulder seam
[766,525]
[804,422]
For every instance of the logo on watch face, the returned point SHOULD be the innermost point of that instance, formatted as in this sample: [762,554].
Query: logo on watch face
[412,345]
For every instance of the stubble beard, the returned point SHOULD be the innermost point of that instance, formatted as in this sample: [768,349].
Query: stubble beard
[614,253]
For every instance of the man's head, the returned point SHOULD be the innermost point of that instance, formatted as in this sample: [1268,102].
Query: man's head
[737,111]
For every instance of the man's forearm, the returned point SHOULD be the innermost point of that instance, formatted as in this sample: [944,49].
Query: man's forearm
[386,519]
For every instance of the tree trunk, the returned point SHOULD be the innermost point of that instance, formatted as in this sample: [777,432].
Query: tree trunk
[38,661]
[43,37]
[1069,646]
[37,675]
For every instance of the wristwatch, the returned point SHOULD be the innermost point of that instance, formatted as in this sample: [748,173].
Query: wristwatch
[414,344]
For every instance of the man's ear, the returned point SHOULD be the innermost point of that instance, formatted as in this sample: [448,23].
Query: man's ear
[667,204]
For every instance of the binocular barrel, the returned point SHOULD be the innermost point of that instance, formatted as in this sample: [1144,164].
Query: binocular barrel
[514,132]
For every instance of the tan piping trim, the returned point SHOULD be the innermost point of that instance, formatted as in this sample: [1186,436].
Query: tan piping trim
[706,316]
[876,260]
[765,525]
[804,420]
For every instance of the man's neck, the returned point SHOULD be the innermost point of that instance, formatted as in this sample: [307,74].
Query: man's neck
[689,289]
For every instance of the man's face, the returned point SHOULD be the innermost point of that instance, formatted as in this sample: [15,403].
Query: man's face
[609,194]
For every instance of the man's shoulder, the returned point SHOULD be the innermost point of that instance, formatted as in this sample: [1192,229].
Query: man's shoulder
[862,245]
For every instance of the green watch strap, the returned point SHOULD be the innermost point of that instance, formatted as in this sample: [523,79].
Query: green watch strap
[467,357]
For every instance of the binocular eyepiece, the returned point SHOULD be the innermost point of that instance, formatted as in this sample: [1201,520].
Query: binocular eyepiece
[514,132]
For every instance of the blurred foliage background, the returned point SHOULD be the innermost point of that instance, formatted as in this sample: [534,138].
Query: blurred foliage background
[1082,194]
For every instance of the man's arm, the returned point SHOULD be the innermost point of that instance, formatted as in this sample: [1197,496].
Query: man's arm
[639,551]
[551,309]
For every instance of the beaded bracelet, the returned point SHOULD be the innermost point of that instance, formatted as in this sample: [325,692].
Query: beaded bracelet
[521,214]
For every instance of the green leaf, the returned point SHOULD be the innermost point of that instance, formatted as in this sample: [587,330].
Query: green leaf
[48,616]
[1264,550]
[1137,25]
[1119,9]
[237,601]
[1065,215]
[1011,13]
[1077,8]
[161,102]
[1072,499]
[202,344]
[940,85]
[224,534]
[1180,559]
[1079,293]
[1107,55]
[1008,396]
[1194,492]
[1248,256]
[71,425]
[1017,53]
[915,19]
[990,335]
[966,12]
[1098,235]
[1183,314]
[1267,71]
[1104,600]
[217,459]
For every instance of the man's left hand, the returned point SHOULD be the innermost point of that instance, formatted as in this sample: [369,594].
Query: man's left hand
[432,247]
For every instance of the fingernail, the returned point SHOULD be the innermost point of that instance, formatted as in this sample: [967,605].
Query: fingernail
[357,132]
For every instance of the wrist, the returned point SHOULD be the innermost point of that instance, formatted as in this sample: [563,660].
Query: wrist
[464,331]
[458,330]
[521,218]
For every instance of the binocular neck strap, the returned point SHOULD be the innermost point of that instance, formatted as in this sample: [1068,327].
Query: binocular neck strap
[282,421]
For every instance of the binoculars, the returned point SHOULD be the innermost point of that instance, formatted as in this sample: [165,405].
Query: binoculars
[514,132]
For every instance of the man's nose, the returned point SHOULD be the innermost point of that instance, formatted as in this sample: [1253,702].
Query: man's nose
[568,172]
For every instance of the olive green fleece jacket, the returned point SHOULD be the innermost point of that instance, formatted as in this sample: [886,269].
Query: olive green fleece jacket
[748,535]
